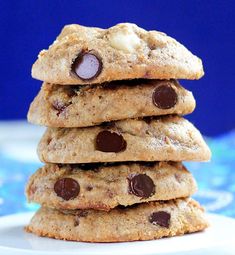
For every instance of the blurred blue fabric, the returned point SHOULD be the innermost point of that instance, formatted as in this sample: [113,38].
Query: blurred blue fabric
[205,27]
[18,158]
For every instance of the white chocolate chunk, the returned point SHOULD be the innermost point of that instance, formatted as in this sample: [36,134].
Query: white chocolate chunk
[127,42]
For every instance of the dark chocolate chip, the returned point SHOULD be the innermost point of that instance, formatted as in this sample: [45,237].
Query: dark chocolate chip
[160,218]
[107,141]
[87,66]
[89,188]
[67,188]
[141,185]
[59,106]
[164,97]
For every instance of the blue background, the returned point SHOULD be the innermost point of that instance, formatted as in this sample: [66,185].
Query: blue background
[205,27]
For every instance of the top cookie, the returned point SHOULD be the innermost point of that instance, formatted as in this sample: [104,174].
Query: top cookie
[88,55]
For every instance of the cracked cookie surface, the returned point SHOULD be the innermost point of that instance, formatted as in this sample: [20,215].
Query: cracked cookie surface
[88,55]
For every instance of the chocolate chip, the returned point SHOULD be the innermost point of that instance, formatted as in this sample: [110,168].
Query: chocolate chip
[164,97]
[160,218]
[67,188]
[141,185]
[87,66]
[89,188]
[107,141]
[59,106]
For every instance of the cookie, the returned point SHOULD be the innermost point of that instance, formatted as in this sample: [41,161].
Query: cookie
[146,221]
[81,106]
[88,55]
[169,138]
[105,186]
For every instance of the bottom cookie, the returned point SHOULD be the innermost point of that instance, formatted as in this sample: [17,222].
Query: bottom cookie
[146,221]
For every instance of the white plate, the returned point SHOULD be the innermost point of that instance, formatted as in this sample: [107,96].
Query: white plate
[13,240]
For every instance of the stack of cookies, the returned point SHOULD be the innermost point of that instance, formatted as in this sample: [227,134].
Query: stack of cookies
[115,141]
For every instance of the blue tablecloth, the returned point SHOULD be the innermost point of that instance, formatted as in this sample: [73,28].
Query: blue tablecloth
[18,161]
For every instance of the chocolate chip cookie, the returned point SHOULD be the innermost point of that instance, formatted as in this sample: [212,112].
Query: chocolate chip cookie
[146,221]
[81,106]
[169,138]
[88,55]
[105,186]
